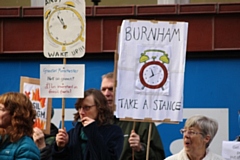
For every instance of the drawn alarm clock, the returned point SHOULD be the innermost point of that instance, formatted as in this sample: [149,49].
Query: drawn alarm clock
[153,74]
[65,25]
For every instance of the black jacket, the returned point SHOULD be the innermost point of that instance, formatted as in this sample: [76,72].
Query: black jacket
[46,152]
[103,143]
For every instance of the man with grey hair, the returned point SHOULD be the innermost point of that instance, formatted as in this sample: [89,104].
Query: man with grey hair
[134,139]
[198,133]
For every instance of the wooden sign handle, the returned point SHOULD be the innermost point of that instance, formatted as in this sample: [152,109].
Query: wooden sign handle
[63,103]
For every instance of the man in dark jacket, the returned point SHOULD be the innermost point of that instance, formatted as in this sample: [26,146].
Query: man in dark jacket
[136,139]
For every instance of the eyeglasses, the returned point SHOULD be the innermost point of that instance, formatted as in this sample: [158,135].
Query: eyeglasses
[189,132]
[86,108]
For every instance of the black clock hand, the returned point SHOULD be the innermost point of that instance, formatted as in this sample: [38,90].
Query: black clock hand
[61,20]
[152,73]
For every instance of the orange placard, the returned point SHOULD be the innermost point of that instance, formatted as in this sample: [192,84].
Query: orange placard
[31,88]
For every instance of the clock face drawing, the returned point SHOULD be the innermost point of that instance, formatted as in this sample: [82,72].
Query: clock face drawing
[65,26]
[153,74]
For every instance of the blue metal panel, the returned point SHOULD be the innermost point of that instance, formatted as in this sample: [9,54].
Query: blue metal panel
[12,71]
[209,83]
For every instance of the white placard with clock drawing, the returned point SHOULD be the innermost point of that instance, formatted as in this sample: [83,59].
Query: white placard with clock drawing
[64,29]
[150,70]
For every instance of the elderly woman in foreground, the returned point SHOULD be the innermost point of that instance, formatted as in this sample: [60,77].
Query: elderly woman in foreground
[198,133]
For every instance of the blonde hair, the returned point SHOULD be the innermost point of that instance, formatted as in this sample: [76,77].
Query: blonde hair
[208,126]
[107,75]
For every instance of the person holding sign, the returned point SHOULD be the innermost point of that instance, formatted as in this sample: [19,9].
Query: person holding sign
[134,138]
[45,141]
[93,137]
[198,133]
[17,117]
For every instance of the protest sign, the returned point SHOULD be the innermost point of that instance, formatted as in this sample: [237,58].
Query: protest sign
[231,150]
[31,88]
[62,81]
[64,28]
[150,70]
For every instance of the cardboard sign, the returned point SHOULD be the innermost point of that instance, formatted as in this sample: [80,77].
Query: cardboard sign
[64,28]
[150,70]
[43,106]
[62,81]
[231,150]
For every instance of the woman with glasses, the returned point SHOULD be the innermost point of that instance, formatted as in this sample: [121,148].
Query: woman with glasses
[198,132]
[93,137]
